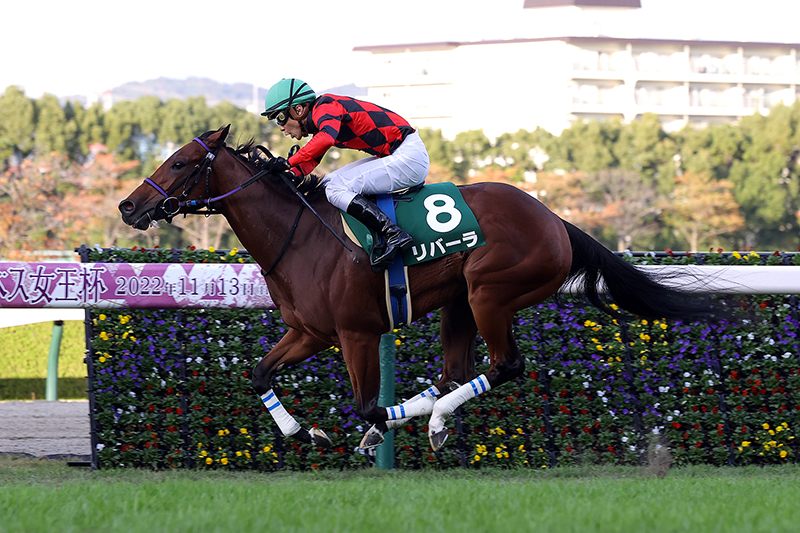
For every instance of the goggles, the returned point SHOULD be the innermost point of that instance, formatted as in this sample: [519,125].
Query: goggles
[281,117]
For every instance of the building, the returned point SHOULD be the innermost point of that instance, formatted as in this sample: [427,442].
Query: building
[506,85]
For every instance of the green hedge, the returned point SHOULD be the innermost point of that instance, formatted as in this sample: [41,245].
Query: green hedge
[172,389]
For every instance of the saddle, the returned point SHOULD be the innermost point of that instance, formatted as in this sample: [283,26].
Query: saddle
[441,223]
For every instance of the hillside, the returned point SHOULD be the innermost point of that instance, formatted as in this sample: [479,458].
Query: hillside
[239,94]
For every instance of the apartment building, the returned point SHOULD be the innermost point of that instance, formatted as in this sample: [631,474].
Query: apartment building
[504,85]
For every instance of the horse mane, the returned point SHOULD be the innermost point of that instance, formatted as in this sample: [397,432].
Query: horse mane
[257,156]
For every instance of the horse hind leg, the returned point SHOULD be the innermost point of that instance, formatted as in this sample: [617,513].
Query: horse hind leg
[506,364]
[458,332]
[421,404]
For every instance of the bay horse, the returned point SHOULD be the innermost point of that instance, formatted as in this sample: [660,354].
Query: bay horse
[329,295]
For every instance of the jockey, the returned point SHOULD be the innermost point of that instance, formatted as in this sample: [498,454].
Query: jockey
[398,158]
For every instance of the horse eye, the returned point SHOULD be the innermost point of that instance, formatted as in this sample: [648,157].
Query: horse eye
[178,165]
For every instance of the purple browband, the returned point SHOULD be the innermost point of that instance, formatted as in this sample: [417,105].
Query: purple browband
[202,144]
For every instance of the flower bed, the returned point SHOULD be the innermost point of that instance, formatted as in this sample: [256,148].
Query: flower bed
[172,389]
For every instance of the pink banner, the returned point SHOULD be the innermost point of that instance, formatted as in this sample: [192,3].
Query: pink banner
[133,285]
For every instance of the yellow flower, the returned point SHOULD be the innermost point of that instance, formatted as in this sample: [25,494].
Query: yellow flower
[771,432]
[397,342]
[737,255]
[211,249]
[243,431]
[224,460]
[221,432]
[234,252]
[104,335]
[765,425]
[477,457]
[663,325]
[209,460]
[778,429]
[267,448]
[102,359]
[746,443]
[203,453]
[784,453]
[102,317]
[238,454]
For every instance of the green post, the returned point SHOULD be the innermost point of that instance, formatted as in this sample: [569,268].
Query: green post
[52,362]
[384,454]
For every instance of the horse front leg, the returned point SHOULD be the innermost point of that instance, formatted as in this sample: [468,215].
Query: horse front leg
[293,348]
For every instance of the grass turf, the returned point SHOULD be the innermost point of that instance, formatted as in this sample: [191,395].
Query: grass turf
[47,495]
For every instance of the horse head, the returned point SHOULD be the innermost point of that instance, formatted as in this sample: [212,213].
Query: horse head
[171,189]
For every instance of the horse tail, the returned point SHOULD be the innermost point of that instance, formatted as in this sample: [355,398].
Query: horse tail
[638,292]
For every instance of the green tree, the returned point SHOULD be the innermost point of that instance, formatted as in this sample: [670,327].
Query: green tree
[51,125]
[766,178]
[644,147]
[586,146]
[17,123]
[471,152]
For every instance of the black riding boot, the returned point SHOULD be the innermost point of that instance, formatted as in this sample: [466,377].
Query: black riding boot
[372,217]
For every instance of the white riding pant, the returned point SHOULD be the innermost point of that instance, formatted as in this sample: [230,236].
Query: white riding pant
[406,167]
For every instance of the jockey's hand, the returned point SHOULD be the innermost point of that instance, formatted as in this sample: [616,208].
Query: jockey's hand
[277,165]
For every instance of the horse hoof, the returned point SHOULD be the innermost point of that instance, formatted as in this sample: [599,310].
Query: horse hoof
[320,439]
[438,439]
[372,438]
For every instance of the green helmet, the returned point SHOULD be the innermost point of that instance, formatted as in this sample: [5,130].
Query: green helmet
[285,94]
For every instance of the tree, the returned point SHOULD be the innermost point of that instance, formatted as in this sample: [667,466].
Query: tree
[766,177]
[644,147]
[470,153]
[17,122]
[51,125]
[629,203]
[586,146]
[701,208]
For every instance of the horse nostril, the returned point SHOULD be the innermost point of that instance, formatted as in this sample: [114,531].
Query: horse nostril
[126,206]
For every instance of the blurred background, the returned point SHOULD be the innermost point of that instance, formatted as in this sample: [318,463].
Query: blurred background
[651,124]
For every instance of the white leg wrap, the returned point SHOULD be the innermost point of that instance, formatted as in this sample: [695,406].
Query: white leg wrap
[285,421]
[445,406]
[421,404]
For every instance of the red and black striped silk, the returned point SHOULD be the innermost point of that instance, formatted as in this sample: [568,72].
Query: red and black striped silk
[345,122]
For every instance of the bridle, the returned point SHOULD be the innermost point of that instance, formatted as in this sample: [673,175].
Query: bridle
[171,205]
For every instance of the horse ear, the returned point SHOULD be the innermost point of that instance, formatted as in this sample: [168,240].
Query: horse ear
[219,136]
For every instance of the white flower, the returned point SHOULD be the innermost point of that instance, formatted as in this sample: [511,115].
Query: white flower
[624,439]
[100,446]
[687,375]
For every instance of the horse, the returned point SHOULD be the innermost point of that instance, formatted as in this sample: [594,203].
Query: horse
[329,295]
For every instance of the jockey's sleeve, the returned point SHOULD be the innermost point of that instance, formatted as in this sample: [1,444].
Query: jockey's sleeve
[327,118]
